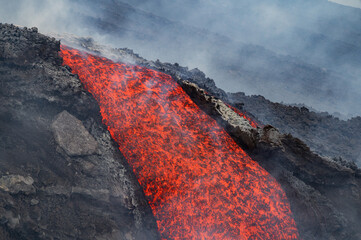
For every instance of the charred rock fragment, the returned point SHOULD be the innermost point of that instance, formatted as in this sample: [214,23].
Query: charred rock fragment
[16,183]
[71,135]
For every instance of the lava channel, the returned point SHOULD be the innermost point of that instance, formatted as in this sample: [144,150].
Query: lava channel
[199,183]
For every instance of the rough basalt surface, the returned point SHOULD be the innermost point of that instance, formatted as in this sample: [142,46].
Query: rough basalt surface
[61,174]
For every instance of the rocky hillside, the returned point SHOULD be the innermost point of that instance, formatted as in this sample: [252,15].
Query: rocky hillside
[61,174]
[325,134]
[63,177]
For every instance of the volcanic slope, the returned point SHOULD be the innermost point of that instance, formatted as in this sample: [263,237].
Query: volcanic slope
[324,195]
[55,184]
[199,183]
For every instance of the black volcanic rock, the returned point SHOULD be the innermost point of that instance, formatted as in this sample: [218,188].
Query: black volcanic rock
[61,174]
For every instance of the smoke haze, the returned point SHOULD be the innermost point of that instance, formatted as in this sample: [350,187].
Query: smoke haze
[351,3]
[302,52]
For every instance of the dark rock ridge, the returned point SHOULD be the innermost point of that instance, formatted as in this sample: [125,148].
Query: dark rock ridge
[237,126]
[47,193]
[61,174]
[325,134]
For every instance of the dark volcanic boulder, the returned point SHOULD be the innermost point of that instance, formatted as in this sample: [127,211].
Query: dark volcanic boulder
[61,174]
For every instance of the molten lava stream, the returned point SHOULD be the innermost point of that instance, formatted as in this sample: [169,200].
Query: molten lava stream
[199,183]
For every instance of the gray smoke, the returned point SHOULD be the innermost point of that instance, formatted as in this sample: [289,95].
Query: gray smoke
[299,52]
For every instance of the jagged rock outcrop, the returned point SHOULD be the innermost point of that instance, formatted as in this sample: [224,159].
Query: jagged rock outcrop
[61,174]
[237,126]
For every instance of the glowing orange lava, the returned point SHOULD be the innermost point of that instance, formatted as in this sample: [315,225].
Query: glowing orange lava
[199,183]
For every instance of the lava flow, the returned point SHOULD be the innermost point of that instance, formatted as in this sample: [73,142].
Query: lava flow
[199,183]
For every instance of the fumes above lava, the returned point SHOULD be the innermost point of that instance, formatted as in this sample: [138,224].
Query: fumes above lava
[199,183]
